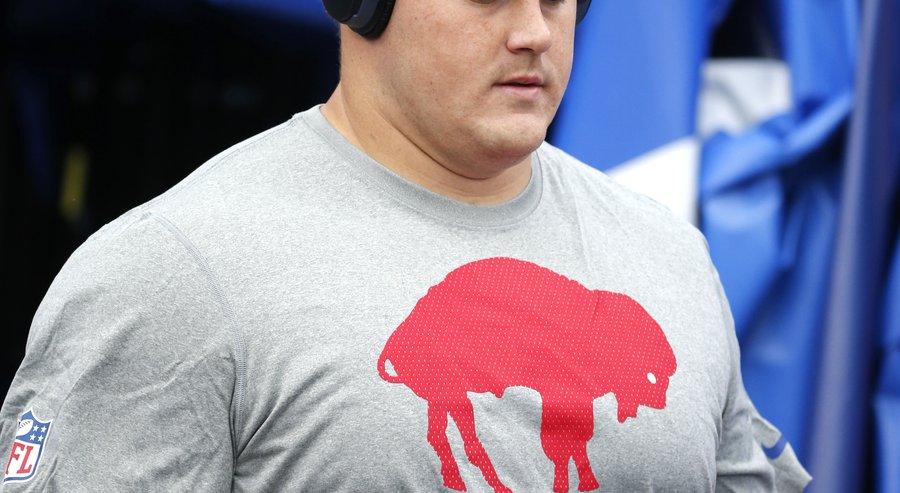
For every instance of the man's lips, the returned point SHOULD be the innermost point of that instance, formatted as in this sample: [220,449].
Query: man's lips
[523,81]
[524,87]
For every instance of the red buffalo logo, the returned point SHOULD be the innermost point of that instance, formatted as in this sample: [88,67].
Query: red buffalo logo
[501,322]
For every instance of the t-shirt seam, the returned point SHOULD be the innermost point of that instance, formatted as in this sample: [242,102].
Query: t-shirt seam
[238,339]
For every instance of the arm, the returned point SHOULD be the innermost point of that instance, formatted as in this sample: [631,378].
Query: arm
[131,356]
[752,455]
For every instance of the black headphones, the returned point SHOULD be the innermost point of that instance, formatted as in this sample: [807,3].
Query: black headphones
[370,17]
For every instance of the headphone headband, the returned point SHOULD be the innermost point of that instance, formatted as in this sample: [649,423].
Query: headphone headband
[369,18]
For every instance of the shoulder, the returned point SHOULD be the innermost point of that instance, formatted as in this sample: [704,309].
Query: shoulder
[243,175]
[598,196]
[281,170]
[189,237]
[140,266]
[132,336]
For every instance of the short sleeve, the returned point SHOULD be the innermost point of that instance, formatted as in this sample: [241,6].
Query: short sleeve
[130,370]
[752,454]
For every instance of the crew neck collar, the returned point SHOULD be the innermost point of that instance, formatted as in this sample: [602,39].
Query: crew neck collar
[422,199]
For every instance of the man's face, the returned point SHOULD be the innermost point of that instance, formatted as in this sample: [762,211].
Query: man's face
[475,81]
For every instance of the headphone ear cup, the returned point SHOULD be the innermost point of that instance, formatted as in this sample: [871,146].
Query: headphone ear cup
[583,6]
[368,18]
[341,10]
[379,21]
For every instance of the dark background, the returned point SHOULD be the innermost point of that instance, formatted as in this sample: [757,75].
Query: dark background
[105,104]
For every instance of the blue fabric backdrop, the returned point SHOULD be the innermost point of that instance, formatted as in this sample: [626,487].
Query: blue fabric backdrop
[862,298]
[630,90]
[887,397]
[769,208]
[801,211]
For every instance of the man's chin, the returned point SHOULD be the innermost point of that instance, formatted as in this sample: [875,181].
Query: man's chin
[515,146]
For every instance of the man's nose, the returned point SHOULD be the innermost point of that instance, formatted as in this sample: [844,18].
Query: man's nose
[529,27]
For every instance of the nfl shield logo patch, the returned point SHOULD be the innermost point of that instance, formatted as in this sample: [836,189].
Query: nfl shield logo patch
[31,435]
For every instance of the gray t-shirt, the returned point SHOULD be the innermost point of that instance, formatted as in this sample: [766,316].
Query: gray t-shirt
[295,317]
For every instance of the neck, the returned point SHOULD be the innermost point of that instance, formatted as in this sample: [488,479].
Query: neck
[475,181]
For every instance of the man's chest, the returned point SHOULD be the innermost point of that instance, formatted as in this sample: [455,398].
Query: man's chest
[510,375]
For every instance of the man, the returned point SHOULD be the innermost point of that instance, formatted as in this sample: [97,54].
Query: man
[246,329]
